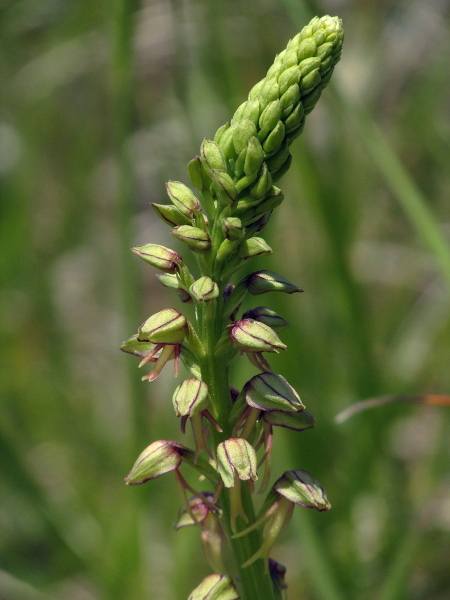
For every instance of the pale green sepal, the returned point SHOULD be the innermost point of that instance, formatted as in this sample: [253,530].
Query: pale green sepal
[190,397]
[162,258]
[168,326]
[268,93]
[248,335]
[183,198]
[224,187]
[310,81]
[297,421]
[170,214]
[193,237]
[219,133]
[197,175]
[289,99]
[308,65]
[236,456]
[255,246]
[262,185]
[269,118]
[243,131]
[212,156]
[279,158]
[215,587]
[289,77]
[137,348]
[204,289]
[295,117]
[157,459]
[262,282]
[246,181]
[232,228]
[254,156]
[301,488]
[269,391]
[306,49]
[275,138]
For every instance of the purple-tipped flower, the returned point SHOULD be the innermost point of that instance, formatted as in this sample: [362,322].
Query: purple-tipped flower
[261,282]
[236,462]
[301,488]
[194,237]
[236,458]
[204,289]
[253,338]
[159,256]
[167,329]
[157,459]
[183,198]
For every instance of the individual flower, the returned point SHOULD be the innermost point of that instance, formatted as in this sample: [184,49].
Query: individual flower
[167,330]
[253,338]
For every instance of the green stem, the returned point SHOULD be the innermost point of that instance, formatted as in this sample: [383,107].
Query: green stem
[254,581]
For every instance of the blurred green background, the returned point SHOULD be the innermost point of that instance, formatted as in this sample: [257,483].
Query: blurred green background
[100,104]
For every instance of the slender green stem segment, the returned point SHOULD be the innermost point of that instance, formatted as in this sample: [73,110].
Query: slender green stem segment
[235,174]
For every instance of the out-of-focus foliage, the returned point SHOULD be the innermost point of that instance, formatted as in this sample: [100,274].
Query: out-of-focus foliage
[85,145]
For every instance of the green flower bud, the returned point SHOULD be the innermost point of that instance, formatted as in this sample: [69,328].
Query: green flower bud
[252,110]
[236,456]
[301,488]
[278,159]
[232,228]
[224,187]
[269,118]
[165,327]
[306,49]
[170,214]
[275,138]
[135,347]
[255,246]
[204,289]
[269,391]
[244,182]
[289,58]
[158,458]
[268,93]
[278,173]
[310,100]
[275,198]
[248,335]
[219,133]
[254,156]
[298,421]
[242,133]
[289,77]
[212,156]
[261,282]
[159,256]
[183,198]
[295,117]
[267,316]
[195,238]
[226,142]
[310,81]
[215,587]
[308,65]
[263,183]
[197,175]
[190,397]
[289,99]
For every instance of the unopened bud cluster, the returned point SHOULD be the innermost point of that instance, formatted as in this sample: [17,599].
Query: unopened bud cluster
[232,430]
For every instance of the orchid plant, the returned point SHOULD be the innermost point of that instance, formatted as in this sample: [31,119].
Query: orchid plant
[233,431]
